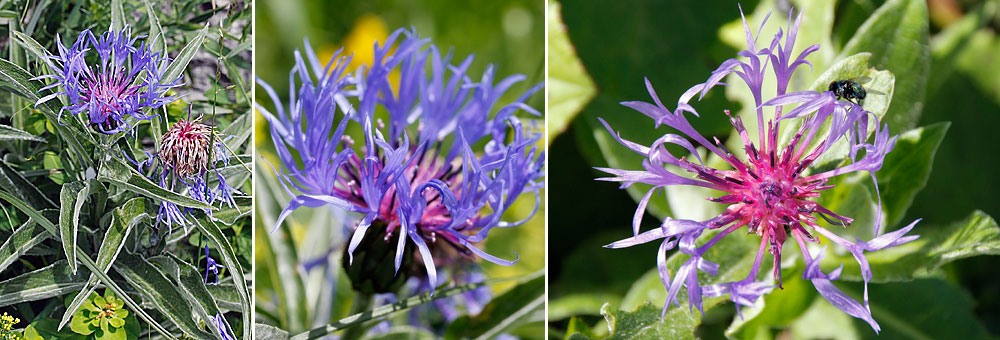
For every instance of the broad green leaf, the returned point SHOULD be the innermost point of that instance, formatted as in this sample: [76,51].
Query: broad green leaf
[53,230]
[117,16]
[824,321]
[114,170]
[156,40]
[906,169]
[976,235]
[8,133]
[46,329]
[897,37]
[12,181]
[159,291]
[71,199]
[734,253]
[180,63]
[123,219]
[215,235]
[579,304]
[26,236]
[51,281]
[569,86]
[264,331]
[646,288]
[641,323]
[921,309]
[577,325]
[512,308]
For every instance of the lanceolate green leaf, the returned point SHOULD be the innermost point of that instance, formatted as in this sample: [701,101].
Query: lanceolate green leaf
[897,37]
[123,219]
[30,44]
[117,16]
[155,30]
[264,331]
[114,170]
[193,286]
[976,235]
[180,63]
[162,293]
[215,235]
[71,199]
[26,236]
[51,281]
[907,168]
[14,182]
[53,230]
[8,133]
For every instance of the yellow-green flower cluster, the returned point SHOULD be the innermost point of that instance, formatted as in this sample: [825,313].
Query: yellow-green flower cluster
[7,323]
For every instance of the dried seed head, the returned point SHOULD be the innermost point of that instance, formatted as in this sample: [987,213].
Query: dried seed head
[185,147]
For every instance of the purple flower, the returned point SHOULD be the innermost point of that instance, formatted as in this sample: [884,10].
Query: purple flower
[211,267]
[219,322]
[125,81]
[446,186]
[770,192]
[187,161]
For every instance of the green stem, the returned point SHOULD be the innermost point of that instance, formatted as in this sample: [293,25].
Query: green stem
[362,303]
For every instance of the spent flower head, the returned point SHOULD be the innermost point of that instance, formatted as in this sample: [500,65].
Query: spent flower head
[189,160]
[123,81]
[438,174]
[772,192]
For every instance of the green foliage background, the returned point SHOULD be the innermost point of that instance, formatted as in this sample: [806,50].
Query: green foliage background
[944,64]
[76,217]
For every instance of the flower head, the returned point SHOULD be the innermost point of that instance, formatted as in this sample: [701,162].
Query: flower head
[122,82]
[439,172]
[770,193]
[187,161]
[185,147]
